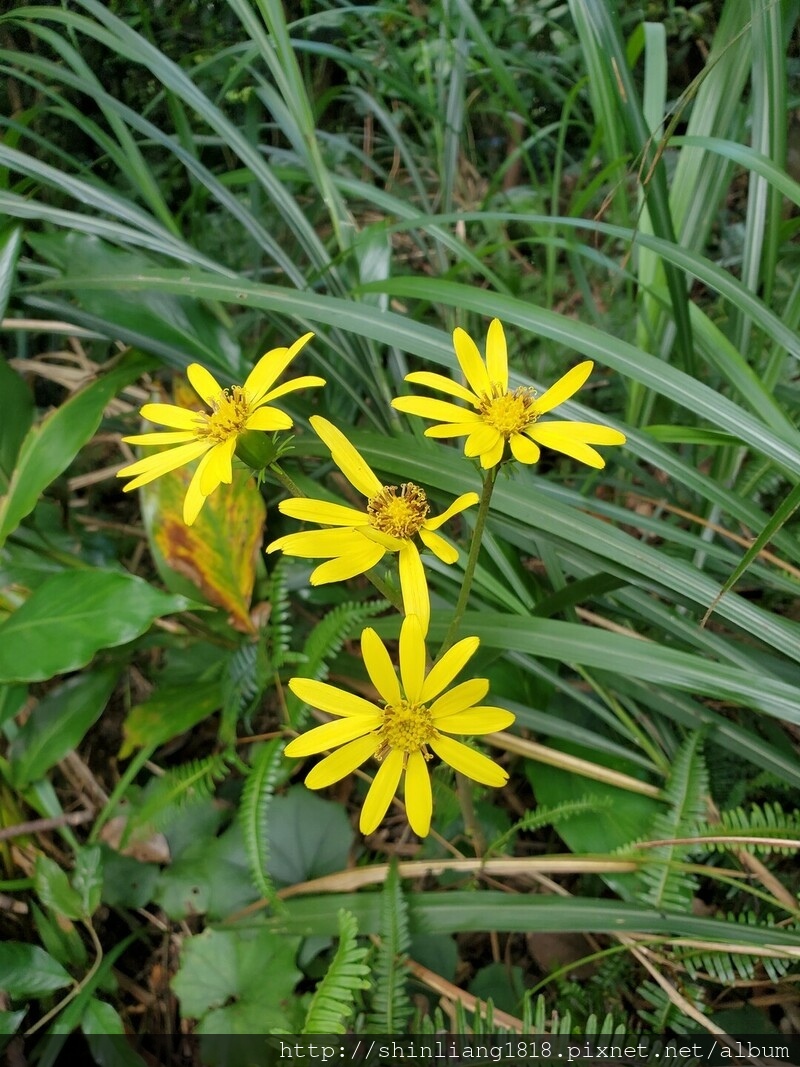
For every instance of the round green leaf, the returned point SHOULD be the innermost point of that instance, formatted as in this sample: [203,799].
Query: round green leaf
[28,971]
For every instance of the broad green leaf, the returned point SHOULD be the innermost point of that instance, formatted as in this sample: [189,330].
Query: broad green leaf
[87,877]
[28,971]
[72,615]
[16,415]
[50,447]
[101,1018]
[235,981]
[58,724]
[170,711]
[10,1021]
[215,558]
[170,321]
[307,837]
[54,889]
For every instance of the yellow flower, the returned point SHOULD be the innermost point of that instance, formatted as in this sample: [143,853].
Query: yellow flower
[392,518]
[499,416]
[416,715]
[214,435]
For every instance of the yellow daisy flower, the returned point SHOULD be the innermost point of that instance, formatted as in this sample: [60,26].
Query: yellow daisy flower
[416,716]
[214,435]
[392,518]
[499,416]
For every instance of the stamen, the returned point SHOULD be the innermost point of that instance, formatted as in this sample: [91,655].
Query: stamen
[230,411]
[408,727]
[401,512]
[509,413]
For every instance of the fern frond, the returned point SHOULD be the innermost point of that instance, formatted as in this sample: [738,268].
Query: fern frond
[390,1005]
[179,787]
[279,633]
[242,686]
[257,794]
[551,815]
[334,997]
[324,642]
[763,828]
[665,1015]
[666,885]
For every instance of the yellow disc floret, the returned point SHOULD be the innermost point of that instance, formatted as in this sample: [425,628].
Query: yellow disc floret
[408,727]
[399,512]
[508,413]
[230,410]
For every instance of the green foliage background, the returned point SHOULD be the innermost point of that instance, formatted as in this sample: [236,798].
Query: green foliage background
[206,182]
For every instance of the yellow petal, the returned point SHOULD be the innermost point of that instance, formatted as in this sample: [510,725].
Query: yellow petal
[469,359]
[459,698]
[306,381]
[413,586]
[563,442]
[341,763]
[379,667]
[564,388]
[218,466]
[330,698]
[203,382]
[475,765]
[444,385]
[269,367]
[145,470]
[445,669]
[331,735]
[591,433]
[269,419]
[383,788]
[442,410]
[482,439]
[476,721]
[436,543]
[195,497]
[466,500]
[412,657]
[170,415]
[497,354]
[344,567]
[319,544]
[323,512]
[451,429]
[523,449]
[161,438]
[492,456]
[347,458]
[417,794]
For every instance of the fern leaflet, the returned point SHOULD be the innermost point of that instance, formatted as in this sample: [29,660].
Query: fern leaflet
[391,1008]
[259,788]
[334,997]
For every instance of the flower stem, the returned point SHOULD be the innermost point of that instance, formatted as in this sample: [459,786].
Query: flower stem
[472,560]
[285,480]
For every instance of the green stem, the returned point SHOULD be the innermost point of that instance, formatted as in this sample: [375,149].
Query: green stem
[472,560]
[285,480]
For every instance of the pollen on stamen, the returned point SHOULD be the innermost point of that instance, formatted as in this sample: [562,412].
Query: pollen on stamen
[399,512]
[408,727]
[508,412]
[230,410]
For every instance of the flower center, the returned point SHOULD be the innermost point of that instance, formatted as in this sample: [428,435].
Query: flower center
[230,411]
[399,512]
[406,726]
[508,412]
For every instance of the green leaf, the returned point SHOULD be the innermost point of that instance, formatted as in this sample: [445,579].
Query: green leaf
[101,1018]
[50,447]
[16,415]
[10,1022]
[58,724]
[28,971]
[54,889]
[73,615]
[170,711]
[234,981]
[307,837]
[87,878]
[10,244]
